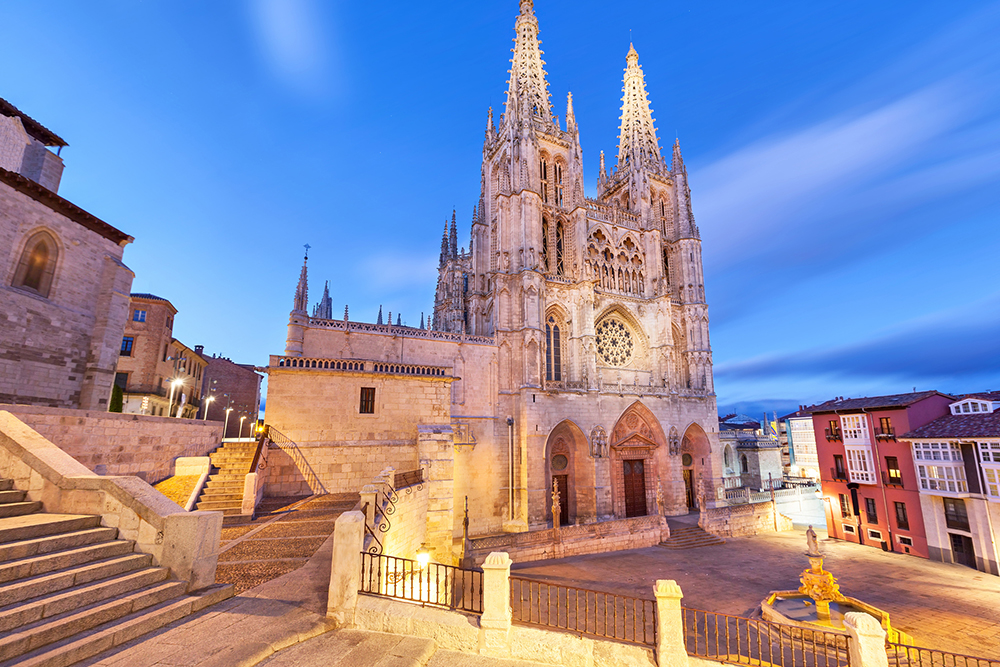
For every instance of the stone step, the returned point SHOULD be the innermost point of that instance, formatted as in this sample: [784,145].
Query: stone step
[60,560]
[74,622]
[51,543]
[45,584]
[219,496]
[228,477]
[30,526]
[220,506]
[10,496]
[120,630]
[6,484]
[20,508]
[236,518]
[237,485]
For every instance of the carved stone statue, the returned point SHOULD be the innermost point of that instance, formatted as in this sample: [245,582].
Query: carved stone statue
[556,508]
[660,504]
[811,543]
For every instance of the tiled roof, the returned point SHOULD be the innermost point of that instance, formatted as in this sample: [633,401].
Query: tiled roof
[44,196]
[959,426]
[872,402]
[32,126]
[984,395]
[797,413]
[145,295]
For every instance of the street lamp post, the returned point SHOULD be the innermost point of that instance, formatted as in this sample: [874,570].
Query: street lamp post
[226,427]
[208,404]
[242,418]
[176,382]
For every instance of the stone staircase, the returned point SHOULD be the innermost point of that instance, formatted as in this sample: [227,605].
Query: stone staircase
[69,589]
[223,491]
[689,537]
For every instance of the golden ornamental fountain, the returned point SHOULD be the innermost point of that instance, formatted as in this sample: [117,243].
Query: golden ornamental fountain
[817,583]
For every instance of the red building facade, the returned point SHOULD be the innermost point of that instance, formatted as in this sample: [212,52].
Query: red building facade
[870,486]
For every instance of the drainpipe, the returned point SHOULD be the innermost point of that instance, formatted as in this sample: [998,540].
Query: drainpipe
[878,467]
[510,471]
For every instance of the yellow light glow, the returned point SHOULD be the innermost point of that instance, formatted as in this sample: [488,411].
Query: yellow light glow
[423,558]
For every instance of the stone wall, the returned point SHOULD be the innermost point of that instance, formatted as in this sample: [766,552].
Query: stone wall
[408,522]
[635,533]
[120,444]
[743,520]
[343,467]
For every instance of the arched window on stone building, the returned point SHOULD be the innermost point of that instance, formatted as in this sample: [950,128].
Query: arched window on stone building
[545,245]
[560,245]
[543,171]
[559,183]
[38,264]
[744,465]
[553,351]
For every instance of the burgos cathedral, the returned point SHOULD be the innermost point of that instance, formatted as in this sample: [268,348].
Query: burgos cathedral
[568,356]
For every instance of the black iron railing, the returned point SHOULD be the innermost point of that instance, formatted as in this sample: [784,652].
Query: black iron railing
[588,612]
[833,434]
[433,584]
[901,655]
[409,478]
[745,641]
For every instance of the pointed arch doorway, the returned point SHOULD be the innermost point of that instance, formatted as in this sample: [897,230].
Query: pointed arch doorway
[695,448]
[566,469]
[636,443]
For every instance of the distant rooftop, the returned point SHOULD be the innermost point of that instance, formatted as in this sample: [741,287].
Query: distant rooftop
[872,402]
[152,297]
[981,425]
[32,126]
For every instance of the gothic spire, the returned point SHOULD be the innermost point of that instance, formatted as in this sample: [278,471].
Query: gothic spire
[527,91]
[570,116]
[301,304]
[379,314]
[637,142]
[444,244]
[453,236]
[678,161]
[421,320]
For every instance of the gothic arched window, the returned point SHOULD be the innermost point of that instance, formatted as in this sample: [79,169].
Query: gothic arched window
[744,464]
[559,184]
[560,243]
[545,245]
[553,351]
[37,265]
[543,171]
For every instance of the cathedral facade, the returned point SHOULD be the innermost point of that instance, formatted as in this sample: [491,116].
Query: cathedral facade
[569,347]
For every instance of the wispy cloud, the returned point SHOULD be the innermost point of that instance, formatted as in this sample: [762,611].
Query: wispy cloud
[294,41]
[398,271]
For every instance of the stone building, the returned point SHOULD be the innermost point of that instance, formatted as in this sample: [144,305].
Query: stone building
[158,374]
[750,451]
[569,348]
[234,390]
[64,290]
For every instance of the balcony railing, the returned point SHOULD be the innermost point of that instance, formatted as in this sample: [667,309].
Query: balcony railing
[838,475]
[891,480]
[885,434]
[833,434]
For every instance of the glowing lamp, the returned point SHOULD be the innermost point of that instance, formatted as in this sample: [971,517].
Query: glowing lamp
[423,555]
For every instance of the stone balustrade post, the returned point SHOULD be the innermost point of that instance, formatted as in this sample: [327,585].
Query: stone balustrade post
[494,624]
[369,503]
[867,643]
[389,475]
[670,649]
[345,572]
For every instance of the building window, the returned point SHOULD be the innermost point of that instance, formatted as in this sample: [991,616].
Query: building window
[545,245]
[859,465]
[875,534]
[553,351]
[127,343]
[37,265]
[138,315]
[559,184]
[955,515]
[902,521]
[744,465]
[848,528]
[872,515]
[839,472]
[121,379]
[543,170]
[947,473]
[845,507]
[367,401]
[885,429]
[892,466]
[666,266]
[560,244]
[855,429]
[906,541]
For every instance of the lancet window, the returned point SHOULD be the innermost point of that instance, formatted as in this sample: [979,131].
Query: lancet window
[543,171]
[560,246]
[38,264]
[545,244]
[553,351]
[559,183]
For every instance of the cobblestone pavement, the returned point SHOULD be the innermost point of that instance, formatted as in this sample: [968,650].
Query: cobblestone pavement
[942,605]
[283,537]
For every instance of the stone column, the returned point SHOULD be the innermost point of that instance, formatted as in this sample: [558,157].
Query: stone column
[867,643]
[494,625]
[436,449]
[345,573]
[670,651]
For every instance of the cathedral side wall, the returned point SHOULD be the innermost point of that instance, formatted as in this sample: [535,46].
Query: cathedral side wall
[45,343]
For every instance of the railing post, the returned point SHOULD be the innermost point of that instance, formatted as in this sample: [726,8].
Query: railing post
[494,625]
[369,504]
[345,572]
[867,643]
[670,650]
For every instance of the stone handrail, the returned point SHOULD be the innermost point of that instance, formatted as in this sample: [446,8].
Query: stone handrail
[359,365]
[612,214]
[393,330]
[185,542]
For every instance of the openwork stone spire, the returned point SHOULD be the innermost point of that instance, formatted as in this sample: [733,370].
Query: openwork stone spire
[301,304]
[528,91]
[637,144]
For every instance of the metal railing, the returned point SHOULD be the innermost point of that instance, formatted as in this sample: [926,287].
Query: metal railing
[902,655]
[408,478]
[588,612]
[433,584]
[745,641]
[833,434]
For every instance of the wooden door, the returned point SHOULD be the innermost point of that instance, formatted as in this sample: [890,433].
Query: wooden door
[562,483]
[635,487]
[689,490]
[962,550]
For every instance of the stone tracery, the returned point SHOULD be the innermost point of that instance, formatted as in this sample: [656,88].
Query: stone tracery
[616,267]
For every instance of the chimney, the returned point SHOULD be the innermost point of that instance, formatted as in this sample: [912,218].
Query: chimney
[199,350]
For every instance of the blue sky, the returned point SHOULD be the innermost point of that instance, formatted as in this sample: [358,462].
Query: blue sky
[844,160]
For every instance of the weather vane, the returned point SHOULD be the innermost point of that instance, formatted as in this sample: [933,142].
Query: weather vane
[307,246]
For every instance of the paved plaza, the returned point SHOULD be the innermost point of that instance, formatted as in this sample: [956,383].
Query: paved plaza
[944,606]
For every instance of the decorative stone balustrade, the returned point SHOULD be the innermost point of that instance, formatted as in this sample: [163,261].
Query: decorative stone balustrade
[393,330]
[358,365]
[612,215]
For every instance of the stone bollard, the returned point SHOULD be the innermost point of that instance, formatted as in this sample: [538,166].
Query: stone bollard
[345,570]
[494,625]
[670,650]
[867,644]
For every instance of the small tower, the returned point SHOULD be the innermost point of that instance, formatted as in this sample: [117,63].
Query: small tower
[299,317]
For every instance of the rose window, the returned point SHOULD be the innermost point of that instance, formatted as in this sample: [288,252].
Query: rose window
[614,343]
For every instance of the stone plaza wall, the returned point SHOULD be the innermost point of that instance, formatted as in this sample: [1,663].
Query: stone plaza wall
[338,467]
[743,520]
[121,444]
